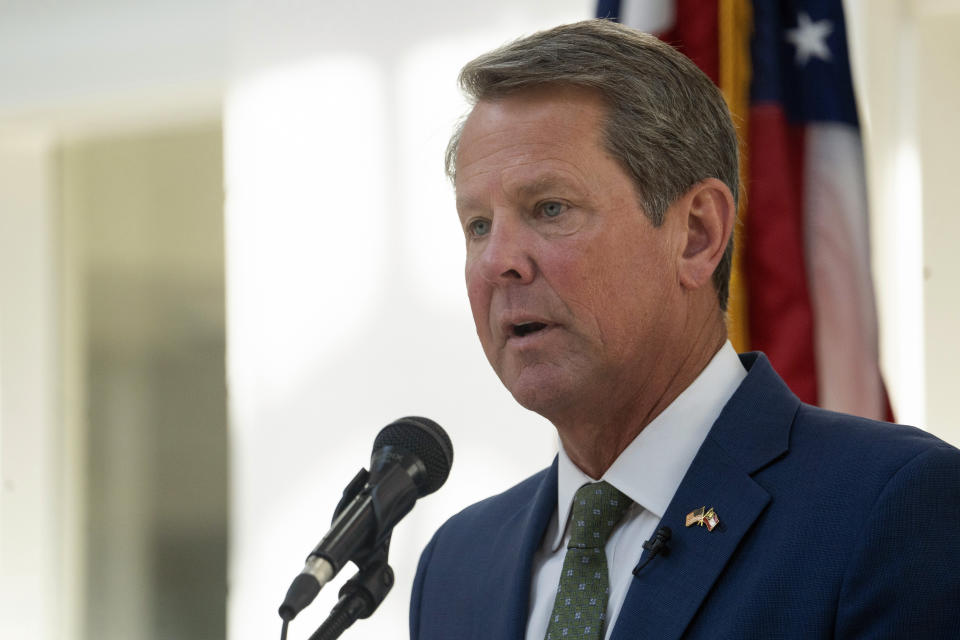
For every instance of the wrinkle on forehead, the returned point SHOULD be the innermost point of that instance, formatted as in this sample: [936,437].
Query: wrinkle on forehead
[530,109]
[521,145]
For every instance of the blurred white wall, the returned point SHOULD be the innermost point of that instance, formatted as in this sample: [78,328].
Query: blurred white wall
[938,115]
[345,302]
[34,502]
[904,53]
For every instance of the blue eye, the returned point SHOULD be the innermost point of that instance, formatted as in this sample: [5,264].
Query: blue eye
[479,227]
[552,209]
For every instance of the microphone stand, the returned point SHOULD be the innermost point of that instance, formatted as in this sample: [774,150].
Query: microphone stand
[360,596]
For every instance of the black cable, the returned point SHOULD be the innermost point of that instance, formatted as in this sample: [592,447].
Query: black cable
[344,614]
[360,596]
[283,630]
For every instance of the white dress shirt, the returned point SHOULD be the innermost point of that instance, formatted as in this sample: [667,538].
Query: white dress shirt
[649,471]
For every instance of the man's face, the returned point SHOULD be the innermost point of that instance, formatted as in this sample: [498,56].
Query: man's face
[574,293]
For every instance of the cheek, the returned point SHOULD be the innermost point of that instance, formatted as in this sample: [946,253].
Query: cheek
[618,288]
[479,295]
[582,277]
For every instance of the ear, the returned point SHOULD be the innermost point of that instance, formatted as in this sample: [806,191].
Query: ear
[708,211]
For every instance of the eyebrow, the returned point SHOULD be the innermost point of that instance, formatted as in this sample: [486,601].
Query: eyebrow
[525,190]
[544,183]
[469,203]
[524,185]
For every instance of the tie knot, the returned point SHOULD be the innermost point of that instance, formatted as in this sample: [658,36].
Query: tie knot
[597,508]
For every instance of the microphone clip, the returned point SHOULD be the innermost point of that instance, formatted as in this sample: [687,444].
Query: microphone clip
[657,545]
[352,490]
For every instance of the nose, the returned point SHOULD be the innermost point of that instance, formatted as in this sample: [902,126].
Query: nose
[506,256]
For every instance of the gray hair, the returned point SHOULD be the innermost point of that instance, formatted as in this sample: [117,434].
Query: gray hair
[668,124]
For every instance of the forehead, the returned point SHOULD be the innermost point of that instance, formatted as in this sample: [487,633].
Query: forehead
[535,136]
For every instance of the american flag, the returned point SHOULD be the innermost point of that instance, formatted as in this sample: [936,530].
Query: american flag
[802,290]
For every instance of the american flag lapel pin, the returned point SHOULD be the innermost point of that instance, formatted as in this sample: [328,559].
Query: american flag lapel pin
[703,517]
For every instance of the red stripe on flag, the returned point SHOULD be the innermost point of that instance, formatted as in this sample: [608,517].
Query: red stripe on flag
[696,35]
[780,315]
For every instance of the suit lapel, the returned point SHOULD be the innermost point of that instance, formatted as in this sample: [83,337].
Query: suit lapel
[751,432]
[666,593]
[507,579]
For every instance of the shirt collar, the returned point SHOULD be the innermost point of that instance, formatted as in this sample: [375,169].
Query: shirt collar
[650,469]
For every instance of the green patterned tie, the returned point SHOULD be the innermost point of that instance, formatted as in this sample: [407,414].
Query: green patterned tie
[581,604]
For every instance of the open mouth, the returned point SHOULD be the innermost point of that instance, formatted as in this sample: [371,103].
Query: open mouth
[526,328]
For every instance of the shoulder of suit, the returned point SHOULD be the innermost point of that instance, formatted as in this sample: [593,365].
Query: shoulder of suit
[867,446]
[873,434]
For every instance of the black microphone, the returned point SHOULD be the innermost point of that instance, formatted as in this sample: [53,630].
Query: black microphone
[657,545]
[411,458]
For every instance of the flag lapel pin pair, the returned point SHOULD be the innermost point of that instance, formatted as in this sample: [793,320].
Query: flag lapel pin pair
[703,517]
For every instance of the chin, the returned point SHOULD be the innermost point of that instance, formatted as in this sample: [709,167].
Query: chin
[545,394]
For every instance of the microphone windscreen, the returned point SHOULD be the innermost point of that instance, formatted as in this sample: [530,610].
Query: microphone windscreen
[424,439]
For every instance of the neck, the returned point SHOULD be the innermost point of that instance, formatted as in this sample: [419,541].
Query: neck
[593,443]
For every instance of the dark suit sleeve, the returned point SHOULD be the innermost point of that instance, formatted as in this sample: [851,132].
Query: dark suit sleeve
[903,580]
[416,597]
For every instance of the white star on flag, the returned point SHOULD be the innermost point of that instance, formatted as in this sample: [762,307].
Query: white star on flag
[810,39]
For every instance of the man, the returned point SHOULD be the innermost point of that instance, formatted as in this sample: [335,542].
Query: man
[596,183]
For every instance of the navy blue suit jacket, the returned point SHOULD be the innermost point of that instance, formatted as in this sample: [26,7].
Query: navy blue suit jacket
[831,526]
